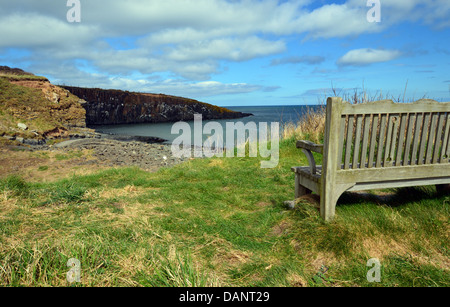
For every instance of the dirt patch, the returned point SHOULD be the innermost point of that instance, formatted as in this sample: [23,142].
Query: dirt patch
[296,280]
[322,260]
[82,157]
[46,166]
[12,162]
[280,229]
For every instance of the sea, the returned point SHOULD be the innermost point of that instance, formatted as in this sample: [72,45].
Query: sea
[261,114]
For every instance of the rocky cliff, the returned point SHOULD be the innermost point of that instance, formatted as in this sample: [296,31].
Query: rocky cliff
[31,108]
[104,107]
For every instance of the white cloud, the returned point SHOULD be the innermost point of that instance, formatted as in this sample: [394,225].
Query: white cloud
[194,39]
[366,56]
[37,31]
[197,90]
[335,20]
[69,75]
[236,49]
[308,59]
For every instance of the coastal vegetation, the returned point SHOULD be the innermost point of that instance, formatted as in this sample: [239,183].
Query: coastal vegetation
[202,222]
[215,222]
[32,108]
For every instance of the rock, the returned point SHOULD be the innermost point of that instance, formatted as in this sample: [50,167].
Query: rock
[19,139]
[290,204]
[10,138]
[105,107]
[22,126]
[33,142]
[55,97]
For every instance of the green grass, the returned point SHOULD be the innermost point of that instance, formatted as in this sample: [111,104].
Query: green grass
[69,155]
[15,77]
[216,222]
[43,168]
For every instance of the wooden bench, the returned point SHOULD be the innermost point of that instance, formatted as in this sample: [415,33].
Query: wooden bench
[376,145]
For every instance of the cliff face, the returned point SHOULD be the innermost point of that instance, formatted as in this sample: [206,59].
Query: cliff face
[104,107]
[31,108]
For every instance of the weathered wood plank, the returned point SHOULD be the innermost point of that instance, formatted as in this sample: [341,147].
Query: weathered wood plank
[437,145]
[387,150]
[388,106]
[393,173]
[349,141]
[394,139]
[423,140]
[431,138]
[357,141]
[448,143]
[341,141]
[398,184]
[308,145]
[409,136]
[401,137]
[365,142]
[445,143]
[417,133]
[373,140]
[381,140]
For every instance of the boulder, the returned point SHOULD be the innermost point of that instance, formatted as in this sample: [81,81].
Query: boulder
[22,126]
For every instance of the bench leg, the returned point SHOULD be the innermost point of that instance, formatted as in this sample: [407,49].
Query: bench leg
[299,189]
[328,206]
[328,199]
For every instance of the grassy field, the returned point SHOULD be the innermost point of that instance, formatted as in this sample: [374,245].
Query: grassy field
[216,222]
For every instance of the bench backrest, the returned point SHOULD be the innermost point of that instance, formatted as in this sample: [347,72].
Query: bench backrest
[386,134]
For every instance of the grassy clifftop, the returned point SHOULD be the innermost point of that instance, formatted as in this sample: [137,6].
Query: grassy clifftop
[216,222]
[34,103]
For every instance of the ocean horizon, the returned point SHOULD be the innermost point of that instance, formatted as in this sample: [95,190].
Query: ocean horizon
[261,114]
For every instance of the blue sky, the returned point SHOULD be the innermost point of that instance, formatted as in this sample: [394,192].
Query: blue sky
[235,52]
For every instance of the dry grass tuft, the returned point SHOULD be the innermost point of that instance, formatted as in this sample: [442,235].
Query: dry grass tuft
[310,126]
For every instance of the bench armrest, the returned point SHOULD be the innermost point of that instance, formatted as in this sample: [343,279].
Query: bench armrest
[307,147]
